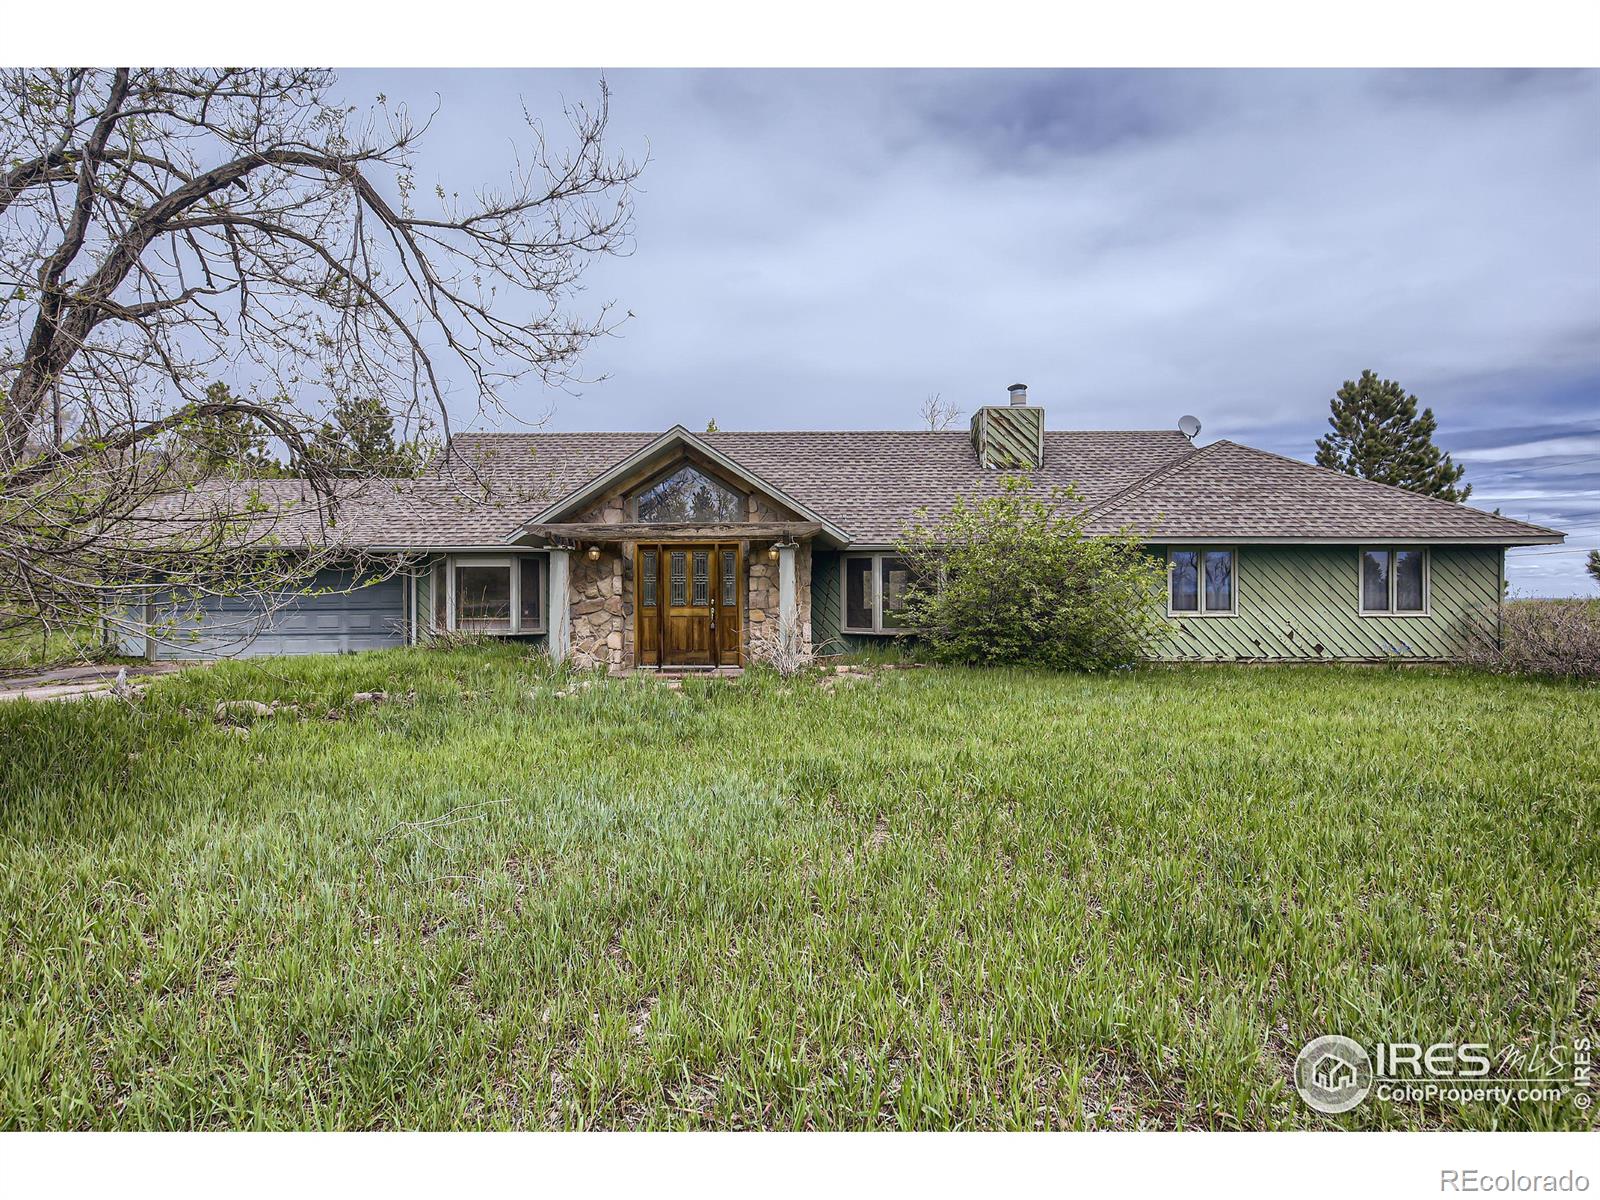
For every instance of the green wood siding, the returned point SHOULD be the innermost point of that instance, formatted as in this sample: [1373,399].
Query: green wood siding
[826,636]
[1295,604]
[1299,603]
[1011,436]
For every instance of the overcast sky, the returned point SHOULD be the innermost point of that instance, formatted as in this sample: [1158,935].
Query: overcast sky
[824,249]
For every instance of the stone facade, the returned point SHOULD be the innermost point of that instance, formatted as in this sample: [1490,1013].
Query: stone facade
[762,585]
[601,594]
[762,593]
[601,597]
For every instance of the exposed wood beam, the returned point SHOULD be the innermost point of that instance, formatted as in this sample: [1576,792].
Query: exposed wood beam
[606,532]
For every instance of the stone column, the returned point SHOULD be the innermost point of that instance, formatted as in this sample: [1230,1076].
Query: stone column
[788,604]
[560,607]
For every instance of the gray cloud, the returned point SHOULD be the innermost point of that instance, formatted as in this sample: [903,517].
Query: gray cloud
[822,249]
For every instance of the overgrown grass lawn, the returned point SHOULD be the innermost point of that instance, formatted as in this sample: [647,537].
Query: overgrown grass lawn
[929,898]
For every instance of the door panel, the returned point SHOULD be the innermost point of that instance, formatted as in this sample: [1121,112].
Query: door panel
[730,591]
[686,628]
[688,604]
[647,600]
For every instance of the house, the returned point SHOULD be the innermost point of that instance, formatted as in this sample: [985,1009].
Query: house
[1333,1074]
[676,549]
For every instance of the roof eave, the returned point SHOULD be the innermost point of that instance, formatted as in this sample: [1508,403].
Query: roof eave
[1153,536]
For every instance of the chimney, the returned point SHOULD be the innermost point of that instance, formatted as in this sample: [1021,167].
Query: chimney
[1009,436]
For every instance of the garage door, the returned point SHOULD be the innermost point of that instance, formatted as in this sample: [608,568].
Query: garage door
[338,620]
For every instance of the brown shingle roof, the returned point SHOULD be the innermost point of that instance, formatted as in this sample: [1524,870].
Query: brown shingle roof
[1231,491]
[871,483]
[868,482]
[379,513]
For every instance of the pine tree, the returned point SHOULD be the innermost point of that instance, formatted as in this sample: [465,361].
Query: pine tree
[1593,565]
[357,438]
[1378,435]
[229,442]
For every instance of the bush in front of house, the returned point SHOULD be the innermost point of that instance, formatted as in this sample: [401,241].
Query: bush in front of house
[1014,578]
[1542,637]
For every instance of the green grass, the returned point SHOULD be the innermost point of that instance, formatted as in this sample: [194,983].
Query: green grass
[933,899]
[29,645]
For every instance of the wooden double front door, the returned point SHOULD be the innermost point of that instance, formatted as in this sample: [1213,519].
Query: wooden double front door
[688,604]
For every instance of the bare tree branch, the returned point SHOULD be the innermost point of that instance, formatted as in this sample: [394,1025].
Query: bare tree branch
[936,415]
[161,229]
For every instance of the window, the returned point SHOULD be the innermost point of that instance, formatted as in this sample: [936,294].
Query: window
[875,587]
[730,578]
[1200,582]
[689,494]
[530,604]
[1410,583]
[1375,581]
[858,593]
[492,595]
[680,578]
[894,580]
[1183,566]
[702,581]
[1394,582]
[1219,580]
[651,566]
[483,598]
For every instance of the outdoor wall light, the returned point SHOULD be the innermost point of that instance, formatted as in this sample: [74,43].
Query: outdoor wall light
[772,552]
[594,553]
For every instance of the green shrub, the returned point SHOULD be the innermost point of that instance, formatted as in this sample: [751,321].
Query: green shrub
[1014,578]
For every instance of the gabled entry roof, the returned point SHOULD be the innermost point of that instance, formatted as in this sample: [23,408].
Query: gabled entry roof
[674,443]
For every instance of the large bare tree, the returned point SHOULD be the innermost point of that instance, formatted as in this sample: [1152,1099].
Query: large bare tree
[161,229]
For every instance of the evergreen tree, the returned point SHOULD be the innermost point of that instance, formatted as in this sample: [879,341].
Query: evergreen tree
[1593,565]
[228,442]
[1378,435]
[357,438]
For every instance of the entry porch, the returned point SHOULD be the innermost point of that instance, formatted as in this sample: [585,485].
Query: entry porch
[676,596]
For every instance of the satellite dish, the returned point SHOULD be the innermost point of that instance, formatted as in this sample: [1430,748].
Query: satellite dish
[1189,427]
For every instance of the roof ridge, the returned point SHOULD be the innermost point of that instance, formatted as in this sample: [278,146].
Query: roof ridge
[495,433]
[1453,505]
[1148,478]
[557,433]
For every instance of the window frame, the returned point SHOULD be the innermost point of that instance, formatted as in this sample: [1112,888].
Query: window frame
[1427,582]
[542,625]
[513,566]
[1201,609]
[875,602]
